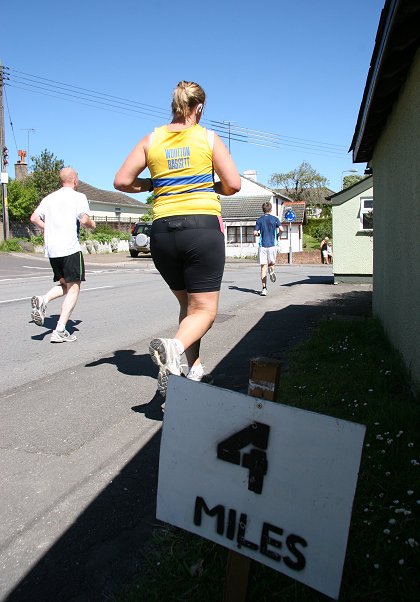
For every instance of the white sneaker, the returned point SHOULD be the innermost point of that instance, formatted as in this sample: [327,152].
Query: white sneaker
[39,309]
[165,354]
[64,336]
[271,273]
[264,292]
[200,376]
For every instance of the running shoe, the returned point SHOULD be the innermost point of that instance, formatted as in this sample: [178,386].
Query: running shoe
[264,292]
[39,309]
[271,273]
[200,376]
[64,336]
[165,355]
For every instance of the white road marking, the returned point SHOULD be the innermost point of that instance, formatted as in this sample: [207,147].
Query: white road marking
[24,278]
[36,267]
[95,288]
[84,290]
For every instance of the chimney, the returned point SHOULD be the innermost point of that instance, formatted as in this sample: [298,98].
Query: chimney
[21,168]
[251,174]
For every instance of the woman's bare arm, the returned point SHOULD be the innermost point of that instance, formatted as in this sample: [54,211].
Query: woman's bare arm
[230,180]
[126,178]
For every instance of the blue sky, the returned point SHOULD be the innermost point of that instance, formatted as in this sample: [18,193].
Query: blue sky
[293,69]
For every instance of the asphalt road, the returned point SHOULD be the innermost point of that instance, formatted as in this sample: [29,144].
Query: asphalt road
[80,423]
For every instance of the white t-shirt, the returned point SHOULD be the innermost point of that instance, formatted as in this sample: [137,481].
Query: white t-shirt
[60,211]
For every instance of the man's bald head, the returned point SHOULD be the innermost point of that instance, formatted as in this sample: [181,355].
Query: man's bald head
[68,177]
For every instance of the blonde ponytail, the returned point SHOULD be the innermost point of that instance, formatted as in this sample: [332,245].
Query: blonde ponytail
[186,96]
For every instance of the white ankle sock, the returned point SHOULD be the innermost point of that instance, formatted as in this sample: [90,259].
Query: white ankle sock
[179,346]
[60,327]
[198,369]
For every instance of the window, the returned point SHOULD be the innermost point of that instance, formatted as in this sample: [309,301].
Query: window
[366,214]
[248,234]
[234,234]
[142,228]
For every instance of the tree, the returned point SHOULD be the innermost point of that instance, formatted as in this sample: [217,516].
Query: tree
[22,199]
[350,180]
[25,195]
[45,173]
[303,183]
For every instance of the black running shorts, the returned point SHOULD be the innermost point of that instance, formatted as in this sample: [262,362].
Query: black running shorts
[70,267]
[189,252]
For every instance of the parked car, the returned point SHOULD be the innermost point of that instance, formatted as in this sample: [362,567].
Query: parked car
[140,239]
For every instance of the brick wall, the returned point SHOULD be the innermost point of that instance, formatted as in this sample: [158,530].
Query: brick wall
[304,257]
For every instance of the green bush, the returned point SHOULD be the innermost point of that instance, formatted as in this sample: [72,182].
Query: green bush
[102,237]
[103,233]
[37,240]
[318,228]
[13,244]
[104,228]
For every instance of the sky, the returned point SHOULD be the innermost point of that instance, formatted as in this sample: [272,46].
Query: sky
[87,80]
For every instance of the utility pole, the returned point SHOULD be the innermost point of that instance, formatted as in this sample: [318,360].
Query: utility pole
[3,161]
[229,124]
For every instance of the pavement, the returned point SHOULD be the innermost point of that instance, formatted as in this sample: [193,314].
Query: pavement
[123,259]
[93,492]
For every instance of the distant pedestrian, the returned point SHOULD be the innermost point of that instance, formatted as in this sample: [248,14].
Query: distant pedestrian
[267,227]
[329,252]
[58,215]
[324,249]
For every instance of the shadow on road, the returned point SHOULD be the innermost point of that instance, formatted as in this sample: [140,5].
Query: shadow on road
[327,279]
[127,362]
[153,409]
[50,323]
[104,548]
[245,290]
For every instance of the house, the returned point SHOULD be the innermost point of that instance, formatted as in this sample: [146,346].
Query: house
[241,210]
[387,137]
[104,204]
[112,206]
[352,222]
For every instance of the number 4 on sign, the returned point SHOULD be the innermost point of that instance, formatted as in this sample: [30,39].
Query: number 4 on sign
[255,460]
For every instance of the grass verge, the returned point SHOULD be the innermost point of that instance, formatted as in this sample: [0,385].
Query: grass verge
[349,370]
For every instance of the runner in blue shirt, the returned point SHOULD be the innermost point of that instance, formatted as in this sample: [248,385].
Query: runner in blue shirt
[267,228]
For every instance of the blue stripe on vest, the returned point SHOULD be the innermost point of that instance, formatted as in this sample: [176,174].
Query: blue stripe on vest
[182,181]
[184,192]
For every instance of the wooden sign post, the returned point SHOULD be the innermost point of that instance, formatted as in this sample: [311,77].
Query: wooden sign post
[264,378]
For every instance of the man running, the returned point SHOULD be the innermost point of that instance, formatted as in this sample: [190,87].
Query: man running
[57,215]
[267,228]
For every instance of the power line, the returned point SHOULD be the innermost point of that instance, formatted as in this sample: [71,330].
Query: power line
[10,119]
[225,129]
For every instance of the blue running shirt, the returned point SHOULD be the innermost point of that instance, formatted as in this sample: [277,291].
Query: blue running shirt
[267,226]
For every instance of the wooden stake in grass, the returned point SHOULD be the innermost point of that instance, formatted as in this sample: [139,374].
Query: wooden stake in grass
[264,378]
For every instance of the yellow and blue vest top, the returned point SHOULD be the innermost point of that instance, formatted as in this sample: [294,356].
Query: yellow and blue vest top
[181,167]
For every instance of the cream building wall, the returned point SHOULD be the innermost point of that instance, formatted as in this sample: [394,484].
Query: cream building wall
[396,172]
[352,246]
[107,210]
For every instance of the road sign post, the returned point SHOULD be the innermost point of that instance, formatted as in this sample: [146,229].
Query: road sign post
[290,216]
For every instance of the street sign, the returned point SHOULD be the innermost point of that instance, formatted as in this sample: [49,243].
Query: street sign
[272,482]
[290,215]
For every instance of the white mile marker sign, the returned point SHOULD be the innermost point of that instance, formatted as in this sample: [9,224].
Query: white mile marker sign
[272,482]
